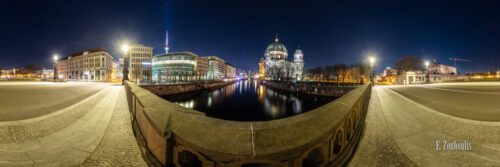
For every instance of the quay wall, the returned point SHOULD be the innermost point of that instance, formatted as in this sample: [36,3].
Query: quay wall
[161,90]
[314,88]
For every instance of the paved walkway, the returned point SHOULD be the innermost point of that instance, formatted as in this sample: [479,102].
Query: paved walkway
[94,131]
[119,146]
[24,100]
[401,132]
[376,147]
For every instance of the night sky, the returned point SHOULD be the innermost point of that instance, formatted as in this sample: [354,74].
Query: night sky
[239,31]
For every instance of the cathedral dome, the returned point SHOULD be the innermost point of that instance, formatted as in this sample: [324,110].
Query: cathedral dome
[276,50]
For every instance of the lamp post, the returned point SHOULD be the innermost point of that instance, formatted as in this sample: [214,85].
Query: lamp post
[427,71]
[372,61]
[125,63]
[55,67]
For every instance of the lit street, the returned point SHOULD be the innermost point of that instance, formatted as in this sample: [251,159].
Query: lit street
[65,124]
[476,101]
[404,123]
[22,100]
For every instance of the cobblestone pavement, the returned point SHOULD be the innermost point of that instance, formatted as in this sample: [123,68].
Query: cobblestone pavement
[118,146]
[376,147]
[401,131]
[24,100]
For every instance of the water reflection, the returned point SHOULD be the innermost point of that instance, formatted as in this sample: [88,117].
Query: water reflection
[248,101]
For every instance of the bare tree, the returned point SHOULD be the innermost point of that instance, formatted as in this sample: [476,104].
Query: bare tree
[409,63]
[341,72]
[326,73]
[359,70]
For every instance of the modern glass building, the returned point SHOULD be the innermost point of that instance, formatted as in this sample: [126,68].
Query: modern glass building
[179,66]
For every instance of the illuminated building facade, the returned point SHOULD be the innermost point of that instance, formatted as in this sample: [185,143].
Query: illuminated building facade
[140,63]
[216,67]
[92,64]
[230,71]
[179,66]
[276,66]
[436,68]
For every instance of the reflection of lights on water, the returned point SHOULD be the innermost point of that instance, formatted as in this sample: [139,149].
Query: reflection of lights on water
[246,85]
[274,111]
[241,86]
[209,103]
[297,106]
[315,99]
[187,104]
[260,92]
[255,84]
[267,104]
[283,98]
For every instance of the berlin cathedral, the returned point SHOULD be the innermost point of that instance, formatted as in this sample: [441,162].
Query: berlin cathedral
[276,66]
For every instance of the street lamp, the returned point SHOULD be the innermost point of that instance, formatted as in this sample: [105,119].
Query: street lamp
[55,67]
[125,49]
[427,70]
[372,73]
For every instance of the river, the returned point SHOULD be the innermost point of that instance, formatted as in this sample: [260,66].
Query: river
[247,100]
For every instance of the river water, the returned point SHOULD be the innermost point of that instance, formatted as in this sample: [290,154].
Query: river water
[248,100]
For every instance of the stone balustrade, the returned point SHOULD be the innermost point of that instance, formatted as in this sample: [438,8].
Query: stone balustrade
[172,135]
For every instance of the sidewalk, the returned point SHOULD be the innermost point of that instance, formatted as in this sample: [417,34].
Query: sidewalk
[99,136]
[401,132]
[119,146]
[376,147]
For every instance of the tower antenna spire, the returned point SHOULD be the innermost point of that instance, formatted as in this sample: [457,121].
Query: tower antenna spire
[166,43]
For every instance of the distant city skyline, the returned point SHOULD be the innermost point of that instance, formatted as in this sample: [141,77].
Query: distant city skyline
[239,32]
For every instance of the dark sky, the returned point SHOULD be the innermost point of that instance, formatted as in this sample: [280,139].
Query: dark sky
[239,31]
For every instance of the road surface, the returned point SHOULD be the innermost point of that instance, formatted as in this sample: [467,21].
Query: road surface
[66,124]
[23,100]
[407,126]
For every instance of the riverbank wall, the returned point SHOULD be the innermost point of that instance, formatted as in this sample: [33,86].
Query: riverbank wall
[162,90]
[312,88]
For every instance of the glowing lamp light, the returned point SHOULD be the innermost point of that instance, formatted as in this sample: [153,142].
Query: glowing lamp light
[372,60]
[426,64]
[125,48]
[55,58]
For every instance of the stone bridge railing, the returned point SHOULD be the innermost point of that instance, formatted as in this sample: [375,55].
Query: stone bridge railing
[171,135]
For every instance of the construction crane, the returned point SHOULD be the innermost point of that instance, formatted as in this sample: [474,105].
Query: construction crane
[457,59]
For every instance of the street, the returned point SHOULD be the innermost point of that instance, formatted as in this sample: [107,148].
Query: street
[66,124]
[23,100]
[476,101]
[407,125]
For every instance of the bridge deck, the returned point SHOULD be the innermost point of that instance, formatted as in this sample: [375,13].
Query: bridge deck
[404,123]
[91,131]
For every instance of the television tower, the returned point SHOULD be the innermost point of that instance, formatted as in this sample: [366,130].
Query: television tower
[166,43]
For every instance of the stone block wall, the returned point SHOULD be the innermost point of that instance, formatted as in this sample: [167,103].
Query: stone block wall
[161,90]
